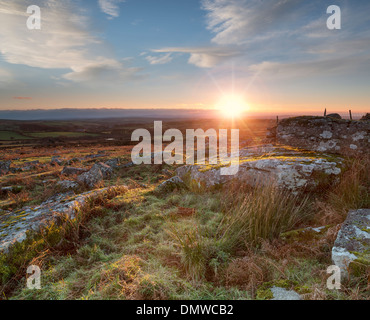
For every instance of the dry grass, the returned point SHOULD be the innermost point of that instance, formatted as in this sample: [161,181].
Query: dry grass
[262,213]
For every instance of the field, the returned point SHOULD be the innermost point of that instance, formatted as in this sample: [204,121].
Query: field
[183,243]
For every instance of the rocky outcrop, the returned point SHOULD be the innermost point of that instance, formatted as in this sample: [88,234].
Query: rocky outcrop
[325,134]
[16,226]
[289,169]
[5,167]
[351,249]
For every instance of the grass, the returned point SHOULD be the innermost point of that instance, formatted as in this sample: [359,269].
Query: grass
[11,135]
[60,134]
[190,245]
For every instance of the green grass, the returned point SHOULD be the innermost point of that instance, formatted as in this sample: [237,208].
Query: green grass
[11,135]
[60,134]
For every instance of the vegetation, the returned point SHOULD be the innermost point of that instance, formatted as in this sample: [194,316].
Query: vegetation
[184,244]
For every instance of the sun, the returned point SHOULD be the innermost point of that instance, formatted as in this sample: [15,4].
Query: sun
[232,106]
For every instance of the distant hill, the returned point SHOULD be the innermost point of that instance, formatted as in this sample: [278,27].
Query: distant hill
[75,114]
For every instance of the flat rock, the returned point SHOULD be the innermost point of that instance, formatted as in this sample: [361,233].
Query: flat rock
[352,245]
[14,226]
[293,170]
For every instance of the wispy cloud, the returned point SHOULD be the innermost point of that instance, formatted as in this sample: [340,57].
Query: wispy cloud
[162,59]
[64,41]
[110,7]
[203,57]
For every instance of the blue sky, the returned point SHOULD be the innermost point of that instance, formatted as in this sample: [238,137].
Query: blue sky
[276,54]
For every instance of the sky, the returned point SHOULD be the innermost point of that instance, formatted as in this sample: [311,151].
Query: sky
[276,55]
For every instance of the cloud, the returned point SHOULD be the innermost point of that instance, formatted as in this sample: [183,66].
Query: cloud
[104,71]
[203,57]
[236,21]
[163,59]
[64,41]
[110,7]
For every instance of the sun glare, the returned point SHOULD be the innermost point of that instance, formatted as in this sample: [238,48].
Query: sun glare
[232,106]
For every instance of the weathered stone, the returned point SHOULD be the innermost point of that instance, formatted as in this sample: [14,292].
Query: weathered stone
[284,294]
[15,225]
[91,178]
[67,185]
[288,169]
[171,184]
[4,167]
[68,171]
[113,163]
[352,245]
[56,160]
[105,169]
[325,134]
[366,117]
[13,189]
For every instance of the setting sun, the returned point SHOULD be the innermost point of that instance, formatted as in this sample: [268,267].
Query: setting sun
[232,106]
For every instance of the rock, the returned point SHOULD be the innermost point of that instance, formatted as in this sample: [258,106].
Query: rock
[171,184]
[94,156]
[166,172]
[56,160]
[15,170]
[67,185]
[351,249]
[288,169]
[73,160]
[13,189]
[325,134]
[334,116]
[127,165]
[284,294]
[366,117]
[68,171]
[113,163]
[91,178]
[105,169]
[5,167]
[14,226]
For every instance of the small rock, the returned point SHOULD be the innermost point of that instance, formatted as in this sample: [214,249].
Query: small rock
[91,178]
[171,184]
[56,160]
[366,117]
[113,163]
[105,169]
[284,294]
[67,185]
[67,171]
[4,167]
